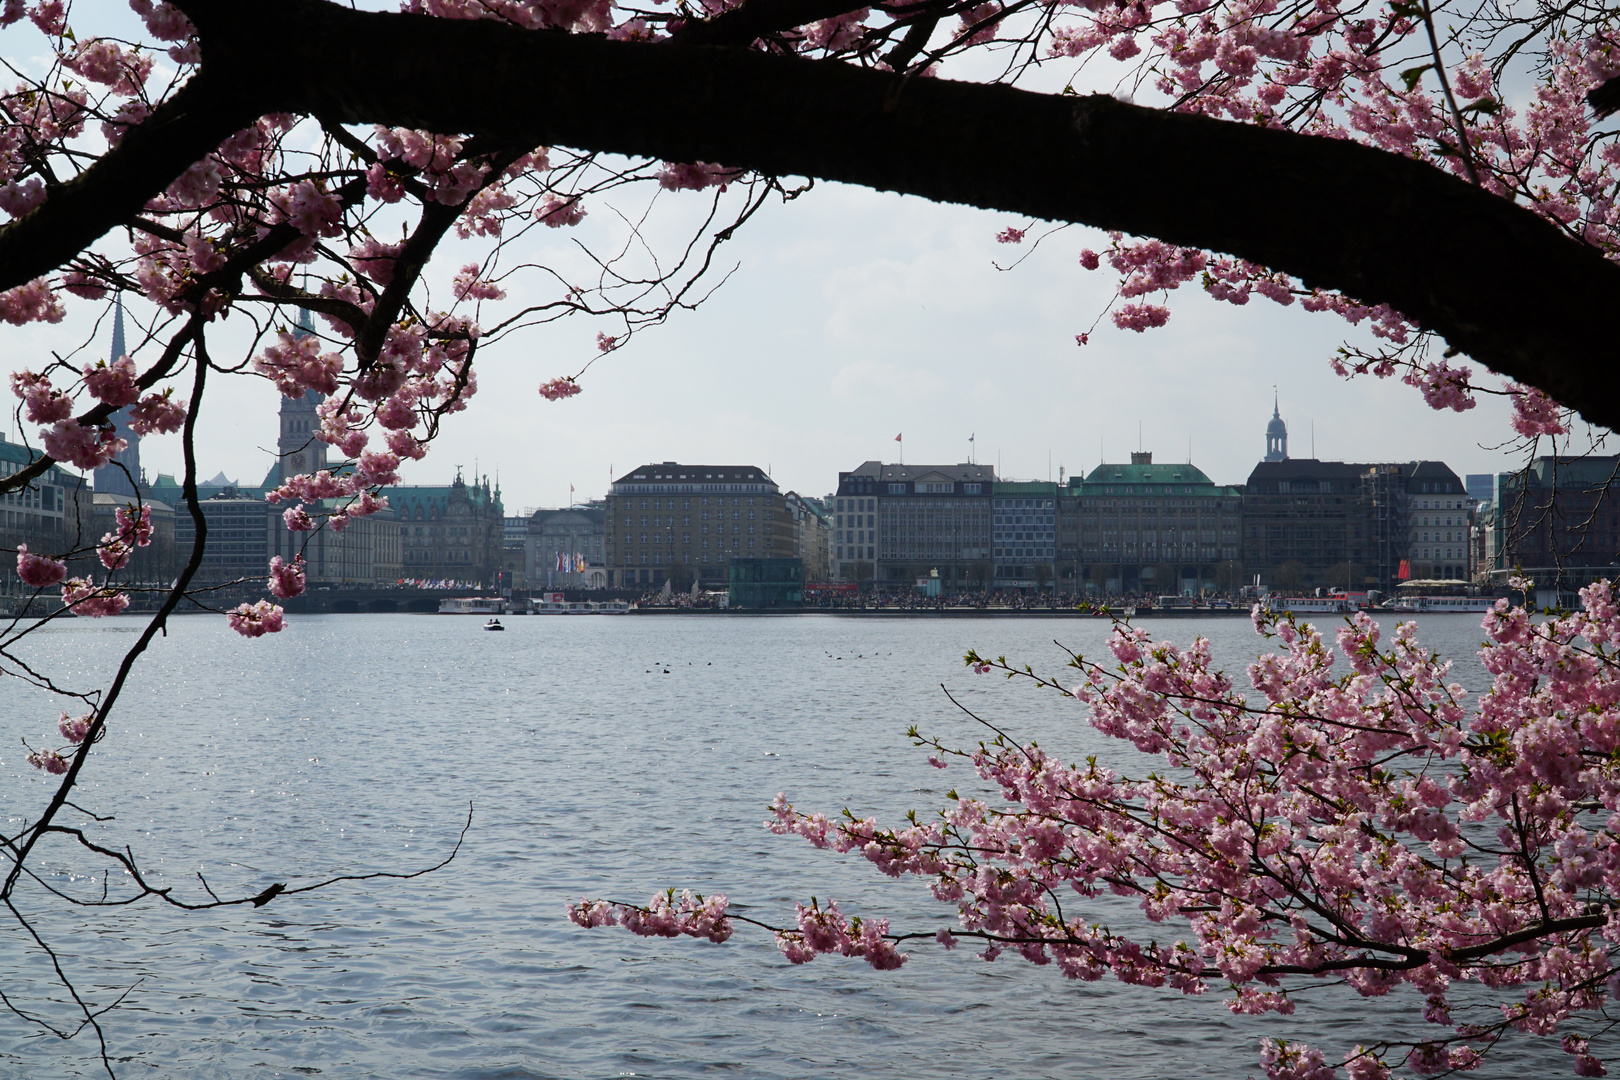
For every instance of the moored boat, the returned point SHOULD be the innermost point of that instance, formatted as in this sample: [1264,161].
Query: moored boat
[472,605]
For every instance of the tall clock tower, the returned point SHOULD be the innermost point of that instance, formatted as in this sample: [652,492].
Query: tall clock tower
[298,448]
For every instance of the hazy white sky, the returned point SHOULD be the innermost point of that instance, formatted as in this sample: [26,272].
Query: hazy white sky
[855,316]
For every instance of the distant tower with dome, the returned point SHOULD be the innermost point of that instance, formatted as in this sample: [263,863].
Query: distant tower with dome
[1276,434]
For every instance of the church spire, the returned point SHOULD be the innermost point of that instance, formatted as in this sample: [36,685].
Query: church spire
[110,479]
[118,347]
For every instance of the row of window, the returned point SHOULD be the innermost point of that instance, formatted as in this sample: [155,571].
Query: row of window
[686,504]
[686,557]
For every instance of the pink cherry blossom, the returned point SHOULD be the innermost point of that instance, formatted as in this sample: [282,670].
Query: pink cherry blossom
[297,365]
[113,384]
[1534,413]
[33,302]
[87,598]
[49,760]
[75,728]
[558,389]
[695,177]
[157,414]
[113,552]
[468,285]
[77,444]
[19,197]
[136,527]
[286,579]
[38,571]
[557,212]
[1266,832]
[44,405]
[256,620]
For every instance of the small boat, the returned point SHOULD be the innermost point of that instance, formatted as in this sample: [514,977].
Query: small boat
[494,624]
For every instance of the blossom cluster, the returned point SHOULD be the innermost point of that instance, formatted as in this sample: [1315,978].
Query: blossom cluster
[665,915]
[1349,814]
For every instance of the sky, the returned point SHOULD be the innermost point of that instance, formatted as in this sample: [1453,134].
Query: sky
[854,316]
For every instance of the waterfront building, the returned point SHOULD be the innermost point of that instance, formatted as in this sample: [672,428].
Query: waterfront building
[1437,522]
[684,523]
[567,549]
[1149,528]
[812,532]
[1023,540]
[765,583]
[237,545]
[894,524]
[1558,522]
[154,564]
[453,533]
[51,515]
[1310,524]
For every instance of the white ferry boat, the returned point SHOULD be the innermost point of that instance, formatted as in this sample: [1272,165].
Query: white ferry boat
[612,607]
[473,605]
[1443,603]
[1308,605]
[1438,595]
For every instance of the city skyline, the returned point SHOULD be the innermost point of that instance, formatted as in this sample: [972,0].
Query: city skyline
[914,331]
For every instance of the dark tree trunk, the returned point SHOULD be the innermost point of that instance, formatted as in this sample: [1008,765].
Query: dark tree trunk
[1497,282]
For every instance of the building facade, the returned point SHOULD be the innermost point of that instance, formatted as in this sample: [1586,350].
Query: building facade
[567,549]
[1146,528]
[453,533]
[237,543]
[1023,539]
[812,532]
[894,524]
[684,523]
[52,515]
[1557,522]
[1438,515]
[1309,524]
[153,564]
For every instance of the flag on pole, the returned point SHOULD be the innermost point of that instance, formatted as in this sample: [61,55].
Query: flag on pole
[897,437]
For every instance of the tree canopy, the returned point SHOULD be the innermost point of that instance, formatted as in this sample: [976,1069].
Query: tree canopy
[1436,172]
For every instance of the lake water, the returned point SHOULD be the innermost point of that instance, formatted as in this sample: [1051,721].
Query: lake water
[603,757]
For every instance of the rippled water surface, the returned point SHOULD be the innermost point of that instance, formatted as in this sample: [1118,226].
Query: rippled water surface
[600,756]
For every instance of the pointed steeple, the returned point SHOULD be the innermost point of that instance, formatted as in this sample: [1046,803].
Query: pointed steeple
[110,479]
[118,348]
